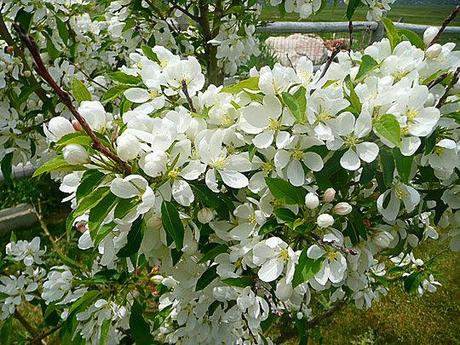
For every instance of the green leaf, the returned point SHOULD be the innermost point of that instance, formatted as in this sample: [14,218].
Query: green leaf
[87,203]
[355,229]
[84,300]
[247,84]
[5,332]
[148,52]
[114,92]
[391,31]
[57,164]
[351,8]
[53,52]
[24,18]
[306,269]
[104,336]
[7,167]
[212,253]
[206,278]
[216,201]
[388,127]
[412,281]
[80,138]
[268,227]
[301,327]
[89,181]
[124,78]
[412,37]
[63,30]
[140,329]
[286,192]
[368,64]
[102,232]
[285,214]
[124,206]
[388,167]
[99,212]
[80,92]
[135,235]
[297,104]
[354,98]
[172,223]
[403,164]
[239,282]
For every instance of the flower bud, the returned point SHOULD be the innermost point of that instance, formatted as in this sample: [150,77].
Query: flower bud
[27,74]
[9,49]
[205,215]
[430,34]
[76,125]
[128,147]
[154,163]
[311,201]
[58,127]
[325,220]
[342,208]
[94,113]
[75,154]
[329,195]
[157,279]
[433,51]
[382,239]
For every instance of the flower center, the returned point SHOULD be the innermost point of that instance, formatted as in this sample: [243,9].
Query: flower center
[332,255]
[284,255]
[351,141]
[219,164]
[153,94]
[324,116]
[400,191]
[227,120]
[297,154]
[252,219]
[274,125]
[267,167]
[411,114]
[439,150]
[398,75]
[173,174]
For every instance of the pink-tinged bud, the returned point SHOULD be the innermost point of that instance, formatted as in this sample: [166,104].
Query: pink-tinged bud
[76,125]
[325,220]
[311,201]
[10,49]
[329,195]
[342,208]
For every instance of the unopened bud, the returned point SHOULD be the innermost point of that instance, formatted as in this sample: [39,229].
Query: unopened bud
[205,215]
[329,195]
[157,279]
[75,154]
[325,220]
[311,201]
[10,49]
[27,74]
[76,125]
[342,208]
[430,34]
[434,51]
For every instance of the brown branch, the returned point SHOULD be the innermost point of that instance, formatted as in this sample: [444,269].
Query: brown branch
[334,53]
[454,81]
[186,12]
[318,319]
[437,80]
[38,339]
[66,100]
[5,34]
[444,25]
[187,95]
[350,33]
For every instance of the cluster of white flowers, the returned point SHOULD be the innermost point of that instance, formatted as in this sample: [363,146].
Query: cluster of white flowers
[253,195]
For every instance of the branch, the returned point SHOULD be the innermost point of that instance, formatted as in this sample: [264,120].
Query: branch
[65,98]
[318,319]
[454,80]
[446,22]
[26,325]
[186,12]
[5,34]
[187,95]
[350,33]
[334,53]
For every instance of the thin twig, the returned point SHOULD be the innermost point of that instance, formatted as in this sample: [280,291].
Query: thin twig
[66,100]
[350,33]
[331,58]
[318,319]
[186,12]
[38,339]
[189,100]
[444,25]
[437,80]
[454,81]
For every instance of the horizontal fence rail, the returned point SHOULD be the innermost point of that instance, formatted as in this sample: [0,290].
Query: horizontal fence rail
[312,27]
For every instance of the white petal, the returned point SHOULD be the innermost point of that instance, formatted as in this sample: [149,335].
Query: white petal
[409,145]
[263,140]
[123,189]
[182,192]
[350,160]
[234,179]
[315,252]
[313,161]
[270,270]
[345,123]
[137,95]
[211,180]
[295,173]
[367,151]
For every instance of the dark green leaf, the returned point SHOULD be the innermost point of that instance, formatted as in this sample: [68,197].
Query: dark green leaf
[206,278]
[139,328]
[306,269]
[148,52]
[351,8]
[24,18]
[63,30]
[172,223]
[240,281]
[412,282]
[5,332]
[212,253]
[391,31]
[7,167]
[412,37]
[90,180]
[80,138]
[57,164]
[388,167]
[124,78]
[403,164]
[99,212]
[135,235]
[285,214]
[368,64]
[286,192]
[114,92]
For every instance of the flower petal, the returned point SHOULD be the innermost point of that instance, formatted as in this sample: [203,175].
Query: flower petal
[350,160]
[137,95]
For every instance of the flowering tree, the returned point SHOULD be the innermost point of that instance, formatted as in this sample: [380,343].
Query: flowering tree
[211,213]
